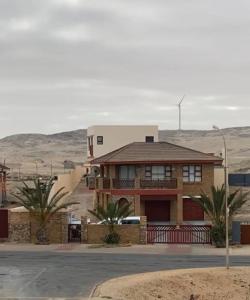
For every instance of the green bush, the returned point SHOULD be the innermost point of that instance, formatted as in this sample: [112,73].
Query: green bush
[112,238]
[218,235]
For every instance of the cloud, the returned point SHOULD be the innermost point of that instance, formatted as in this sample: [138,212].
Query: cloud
[115,61]
[21,25]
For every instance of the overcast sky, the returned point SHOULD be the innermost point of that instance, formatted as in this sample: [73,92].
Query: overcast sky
[67,64]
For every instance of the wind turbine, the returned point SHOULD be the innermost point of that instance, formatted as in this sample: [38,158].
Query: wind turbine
[179,106]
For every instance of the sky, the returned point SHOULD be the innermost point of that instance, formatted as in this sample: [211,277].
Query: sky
[69,64]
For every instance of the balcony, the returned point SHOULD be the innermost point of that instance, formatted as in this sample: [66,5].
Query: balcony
[138,183]
[158,183]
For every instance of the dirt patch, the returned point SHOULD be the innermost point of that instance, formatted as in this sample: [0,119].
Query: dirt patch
[190,284]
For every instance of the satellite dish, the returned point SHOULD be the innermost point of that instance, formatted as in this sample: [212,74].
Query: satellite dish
[95,171]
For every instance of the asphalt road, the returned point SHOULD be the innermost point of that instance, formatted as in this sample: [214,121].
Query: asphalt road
[30,275]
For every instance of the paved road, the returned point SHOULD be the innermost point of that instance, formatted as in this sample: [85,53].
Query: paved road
[73,275]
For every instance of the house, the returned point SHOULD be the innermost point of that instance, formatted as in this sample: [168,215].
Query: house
[102,139]
[158,178]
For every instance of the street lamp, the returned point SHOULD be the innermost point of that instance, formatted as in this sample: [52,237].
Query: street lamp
[226,193]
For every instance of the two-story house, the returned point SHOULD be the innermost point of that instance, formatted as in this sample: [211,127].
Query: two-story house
[158,178]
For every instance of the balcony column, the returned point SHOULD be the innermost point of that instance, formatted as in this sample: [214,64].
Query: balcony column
[137,182]
[179,210]
[137,203]
[111,182]
[99,183]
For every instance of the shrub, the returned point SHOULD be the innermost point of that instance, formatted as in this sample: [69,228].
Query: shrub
[112,238]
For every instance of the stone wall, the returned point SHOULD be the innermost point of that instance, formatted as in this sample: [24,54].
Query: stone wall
[19,227]
[22,228]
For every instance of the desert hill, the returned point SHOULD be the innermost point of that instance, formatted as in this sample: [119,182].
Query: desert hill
[27,153]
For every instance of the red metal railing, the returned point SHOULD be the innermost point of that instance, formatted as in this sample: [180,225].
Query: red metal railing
[143,183]
[158,183]
[123,183]
[106,183]
[183,234]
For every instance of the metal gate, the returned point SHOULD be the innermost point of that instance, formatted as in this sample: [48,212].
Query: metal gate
[4,230]
[245,234]
[74,233]
[183,234]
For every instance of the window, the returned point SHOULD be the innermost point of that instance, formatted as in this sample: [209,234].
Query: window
[149,139]
[192,173]
[99,140]
[127,172]
[168,172]
[158,172]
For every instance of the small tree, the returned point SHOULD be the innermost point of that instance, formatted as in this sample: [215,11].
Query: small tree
[111,216]
[215,209]
[42,206]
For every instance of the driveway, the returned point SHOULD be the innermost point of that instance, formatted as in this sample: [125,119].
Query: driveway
[30,275]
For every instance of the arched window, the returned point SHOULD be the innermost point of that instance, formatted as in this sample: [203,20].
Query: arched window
[122,202]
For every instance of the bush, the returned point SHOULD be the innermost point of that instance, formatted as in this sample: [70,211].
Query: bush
[218,235]
[112,238]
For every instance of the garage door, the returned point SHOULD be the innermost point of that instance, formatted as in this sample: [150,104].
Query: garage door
[192,211]
[157,210]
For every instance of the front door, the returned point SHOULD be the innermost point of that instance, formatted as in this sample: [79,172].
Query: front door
[157,210]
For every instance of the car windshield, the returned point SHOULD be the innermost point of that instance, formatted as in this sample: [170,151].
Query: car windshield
[130,221]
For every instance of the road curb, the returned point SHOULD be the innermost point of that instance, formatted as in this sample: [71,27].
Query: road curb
[92,293]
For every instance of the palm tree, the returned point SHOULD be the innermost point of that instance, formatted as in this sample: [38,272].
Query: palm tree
[38,201]
[111,215]
[215,209]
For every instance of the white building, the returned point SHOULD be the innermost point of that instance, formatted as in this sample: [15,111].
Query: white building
[102,139]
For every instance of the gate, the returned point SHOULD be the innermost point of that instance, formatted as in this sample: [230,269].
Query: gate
[4,230]
[245,234]
[74,233]
[183,234]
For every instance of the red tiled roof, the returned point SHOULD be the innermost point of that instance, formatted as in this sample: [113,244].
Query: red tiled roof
[155,152]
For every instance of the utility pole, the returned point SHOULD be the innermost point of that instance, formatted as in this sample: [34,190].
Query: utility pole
[179,107]
[227,193]
[51,168]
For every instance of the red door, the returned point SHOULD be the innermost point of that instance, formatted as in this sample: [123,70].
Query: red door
[157,210]
[192,211]
[4,224]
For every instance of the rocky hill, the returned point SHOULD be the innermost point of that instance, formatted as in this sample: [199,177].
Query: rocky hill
[29,153]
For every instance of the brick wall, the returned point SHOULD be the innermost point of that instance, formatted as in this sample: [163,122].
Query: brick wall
[135,234]
[128,233]
[194,189]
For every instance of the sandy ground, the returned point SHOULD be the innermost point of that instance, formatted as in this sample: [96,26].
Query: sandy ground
[192,284]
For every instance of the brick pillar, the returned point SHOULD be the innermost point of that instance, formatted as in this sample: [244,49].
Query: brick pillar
[84,229]
[179,210]
[137,182]
[137,205]
[143,230]
[65,228]
[111,182]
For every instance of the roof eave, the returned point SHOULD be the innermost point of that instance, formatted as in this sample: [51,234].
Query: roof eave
[215,161]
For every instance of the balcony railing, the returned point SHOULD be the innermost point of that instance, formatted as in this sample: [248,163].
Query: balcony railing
[123,183]
[106,183]
[158,183]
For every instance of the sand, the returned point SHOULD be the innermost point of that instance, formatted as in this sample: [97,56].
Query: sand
[195,284]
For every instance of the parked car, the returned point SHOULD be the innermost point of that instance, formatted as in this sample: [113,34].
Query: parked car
[127,220]
[131,220]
